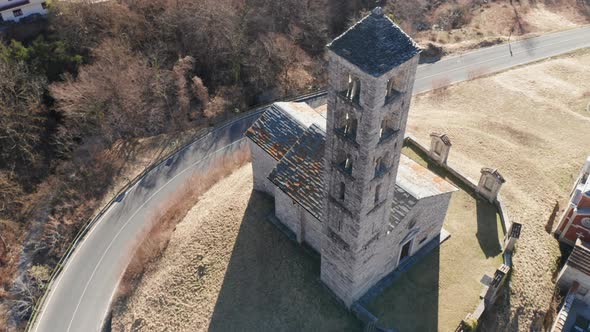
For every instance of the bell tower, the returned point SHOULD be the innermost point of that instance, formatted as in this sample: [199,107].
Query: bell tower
[371,75]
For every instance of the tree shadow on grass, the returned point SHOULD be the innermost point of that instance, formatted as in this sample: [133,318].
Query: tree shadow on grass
[499,316]
[272,284]
[487,229]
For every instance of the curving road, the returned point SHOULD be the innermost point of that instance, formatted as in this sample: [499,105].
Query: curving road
[79,298]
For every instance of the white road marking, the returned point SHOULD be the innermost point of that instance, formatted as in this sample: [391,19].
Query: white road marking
[39,319]
[127,222]
[496,58]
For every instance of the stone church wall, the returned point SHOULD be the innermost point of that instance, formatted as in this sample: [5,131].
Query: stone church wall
[262,165]
[305,226]
[429,214]
[287,211]
[312,231]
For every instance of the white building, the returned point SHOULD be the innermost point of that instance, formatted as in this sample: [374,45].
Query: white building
[15,10]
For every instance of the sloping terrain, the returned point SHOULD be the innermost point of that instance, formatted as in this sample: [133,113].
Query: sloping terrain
[532,124]
[227,268]
[498,21]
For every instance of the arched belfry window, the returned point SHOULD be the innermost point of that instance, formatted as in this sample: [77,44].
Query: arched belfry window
[386,129]
[353,91]
[381,164]
[345,162]
[348,125]
[392,90]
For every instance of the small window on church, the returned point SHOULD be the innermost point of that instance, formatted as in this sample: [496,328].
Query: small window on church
[377,193]
[342,190]
[354,89]
[412,223]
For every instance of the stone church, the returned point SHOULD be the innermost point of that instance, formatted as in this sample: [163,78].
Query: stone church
[335,170]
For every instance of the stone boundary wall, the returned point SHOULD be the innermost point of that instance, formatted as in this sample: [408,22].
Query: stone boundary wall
[491,292]
[505,220]
[466,180]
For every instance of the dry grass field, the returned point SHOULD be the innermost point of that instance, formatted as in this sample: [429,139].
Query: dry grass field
[227,268]
[436,293]
[532,124]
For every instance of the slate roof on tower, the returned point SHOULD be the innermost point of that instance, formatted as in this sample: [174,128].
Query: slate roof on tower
[375,44]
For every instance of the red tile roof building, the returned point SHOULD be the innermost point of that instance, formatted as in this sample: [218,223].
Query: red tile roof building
[575,221]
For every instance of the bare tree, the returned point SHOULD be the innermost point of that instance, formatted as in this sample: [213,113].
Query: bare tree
[120,95]
[23,299]
[84,24]
[11,194]
[21,106]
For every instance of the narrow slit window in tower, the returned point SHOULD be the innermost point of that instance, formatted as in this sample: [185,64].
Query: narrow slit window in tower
[354,89]
[342,190]
[377,193]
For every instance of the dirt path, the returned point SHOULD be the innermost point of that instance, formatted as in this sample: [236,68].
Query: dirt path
[531,124]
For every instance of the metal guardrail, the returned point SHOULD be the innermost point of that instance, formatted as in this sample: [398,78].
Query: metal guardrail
[254,111]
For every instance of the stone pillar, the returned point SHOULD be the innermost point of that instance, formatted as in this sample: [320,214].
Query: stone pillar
[513,235]
[440,146]
[489,184]
[496,284]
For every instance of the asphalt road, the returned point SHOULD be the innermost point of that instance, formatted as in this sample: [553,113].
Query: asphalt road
[497,58]
[80,297]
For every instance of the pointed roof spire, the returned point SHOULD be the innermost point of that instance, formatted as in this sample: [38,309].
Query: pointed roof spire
[377,11]
[375,44]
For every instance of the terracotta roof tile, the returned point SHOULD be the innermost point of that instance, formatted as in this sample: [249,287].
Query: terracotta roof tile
[275,132]
[300,173]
